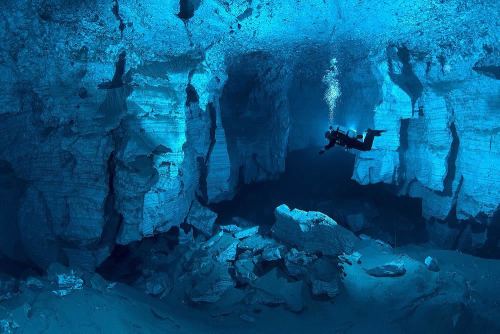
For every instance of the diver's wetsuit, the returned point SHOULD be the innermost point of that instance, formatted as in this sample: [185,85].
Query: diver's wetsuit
[334,137]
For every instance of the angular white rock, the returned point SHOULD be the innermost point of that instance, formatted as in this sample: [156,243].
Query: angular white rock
[312,232]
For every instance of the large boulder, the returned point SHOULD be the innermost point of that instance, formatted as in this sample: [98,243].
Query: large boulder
[201,218]
[312,232]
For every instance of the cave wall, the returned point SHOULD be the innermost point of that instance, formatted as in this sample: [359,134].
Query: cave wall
[116,115]
[111,116]
[441,146]
[255,117]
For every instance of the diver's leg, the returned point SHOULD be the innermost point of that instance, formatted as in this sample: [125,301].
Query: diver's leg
[326,147]
[370,136]
[376,132]
[368,142]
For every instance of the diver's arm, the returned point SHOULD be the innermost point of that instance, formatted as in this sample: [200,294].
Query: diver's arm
[327,147]
[330,145]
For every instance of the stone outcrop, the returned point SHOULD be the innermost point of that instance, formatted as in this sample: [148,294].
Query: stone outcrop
[441,146]
[313,232]
[240,267]
[201,218]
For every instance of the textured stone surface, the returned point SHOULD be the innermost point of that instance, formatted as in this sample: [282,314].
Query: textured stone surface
[201,218]
[115,116]
[387,270]
[313,232]
[441,142]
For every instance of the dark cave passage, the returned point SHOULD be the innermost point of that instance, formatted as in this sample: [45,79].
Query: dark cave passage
[323,183]
[255,117]
[274,117]
[310,182]
[306,95]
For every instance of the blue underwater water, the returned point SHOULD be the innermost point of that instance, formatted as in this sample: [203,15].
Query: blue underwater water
[249,166]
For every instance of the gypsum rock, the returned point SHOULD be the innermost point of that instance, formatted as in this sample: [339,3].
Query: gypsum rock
[431,263]
[8,287]
[223,246]
[244,270]
[357,222]
[256,243]
[158,284]
[393,269]
[297,263]
[273,290]
[201,218]
[209,280]
[273,252]
[312,232]
[248,232]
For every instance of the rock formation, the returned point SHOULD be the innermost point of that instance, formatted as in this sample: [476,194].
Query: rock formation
[117,116]
[313,232]
[442,144]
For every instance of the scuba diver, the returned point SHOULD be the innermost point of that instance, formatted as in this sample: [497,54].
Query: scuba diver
[348,141]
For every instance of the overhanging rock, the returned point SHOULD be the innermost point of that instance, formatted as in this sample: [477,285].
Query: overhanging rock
[312,231]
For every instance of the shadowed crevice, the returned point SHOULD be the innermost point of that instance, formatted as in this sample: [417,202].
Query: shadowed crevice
[406,79]
[187,8]
[451,162]
[403,147]
[112,216]
[117,80]
[192,96]
[491,71]
[116,13]
[202,162]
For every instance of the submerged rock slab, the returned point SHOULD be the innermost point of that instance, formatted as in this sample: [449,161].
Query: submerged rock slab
[223,246]
[210,280]
[431,263]
[247,232]
[387,270]
[256,243]
[275,290]
[312,231]
[201,218]
[244,270]
[297,263]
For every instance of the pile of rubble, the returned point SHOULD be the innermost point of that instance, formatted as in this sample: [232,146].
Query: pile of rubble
[237,267]
[241,267]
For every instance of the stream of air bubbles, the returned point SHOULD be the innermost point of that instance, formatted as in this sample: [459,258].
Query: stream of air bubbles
[332,92]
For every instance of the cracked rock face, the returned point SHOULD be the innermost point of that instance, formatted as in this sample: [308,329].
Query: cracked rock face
[441,146]
[116,116]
